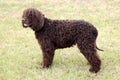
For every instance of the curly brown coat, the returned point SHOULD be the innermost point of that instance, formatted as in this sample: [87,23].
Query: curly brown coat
[56,34]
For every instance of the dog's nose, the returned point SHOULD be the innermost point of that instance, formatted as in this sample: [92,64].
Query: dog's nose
[23,19]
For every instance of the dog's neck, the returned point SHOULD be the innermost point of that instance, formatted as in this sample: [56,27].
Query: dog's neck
[47,23]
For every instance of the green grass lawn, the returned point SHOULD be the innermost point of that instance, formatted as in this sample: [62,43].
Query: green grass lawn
[20,54]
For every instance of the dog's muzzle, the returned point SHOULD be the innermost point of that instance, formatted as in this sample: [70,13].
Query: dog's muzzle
[24,23]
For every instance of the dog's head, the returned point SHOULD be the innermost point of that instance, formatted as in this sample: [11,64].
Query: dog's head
[32,18]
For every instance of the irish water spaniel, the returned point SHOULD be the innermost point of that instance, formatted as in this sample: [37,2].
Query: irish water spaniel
[56,34]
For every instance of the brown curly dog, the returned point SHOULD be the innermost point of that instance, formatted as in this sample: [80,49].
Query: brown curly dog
[56,34]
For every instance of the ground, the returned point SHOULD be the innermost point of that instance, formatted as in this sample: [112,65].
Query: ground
[20,55]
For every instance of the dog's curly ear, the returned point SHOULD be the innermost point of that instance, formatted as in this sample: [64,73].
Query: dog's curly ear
[38,20]
[41,20]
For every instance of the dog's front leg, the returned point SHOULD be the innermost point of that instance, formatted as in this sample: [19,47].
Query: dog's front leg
[47,58]
[48,54]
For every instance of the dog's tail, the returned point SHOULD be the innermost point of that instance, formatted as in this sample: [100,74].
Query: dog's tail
[99,49]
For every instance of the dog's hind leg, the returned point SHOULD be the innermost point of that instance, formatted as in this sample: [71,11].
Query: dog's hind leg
[90,53]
